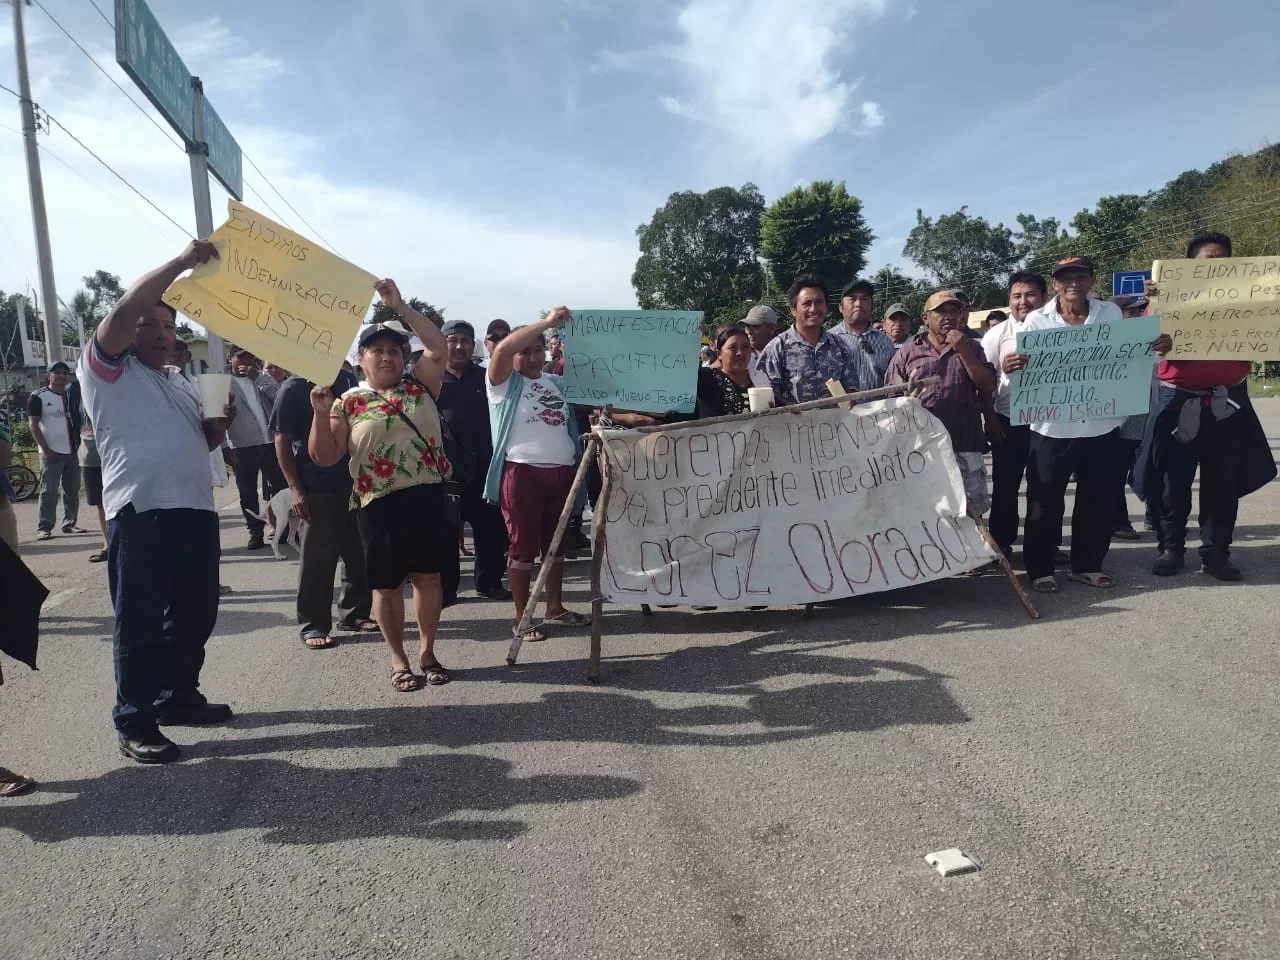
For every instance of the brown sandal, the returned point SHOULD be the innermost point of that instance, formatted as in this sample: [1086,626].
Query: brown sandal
[405,680]
[14,784]
[435,673]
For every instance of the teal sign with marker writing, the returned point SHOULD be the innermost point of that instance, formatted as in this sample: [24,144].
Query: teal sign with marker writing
[1087,372]
[633,359]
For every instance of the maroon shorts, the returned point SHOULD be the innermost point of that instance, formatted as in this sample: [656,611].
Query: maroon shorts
[532,500]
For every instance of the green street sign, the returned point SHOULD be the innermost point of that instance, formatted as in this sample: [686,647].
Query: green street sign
[150,59]
[146,54]
[224,153]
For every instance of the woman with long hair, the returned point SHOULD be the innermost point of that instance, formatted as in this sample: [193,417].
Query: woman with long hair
[391,428]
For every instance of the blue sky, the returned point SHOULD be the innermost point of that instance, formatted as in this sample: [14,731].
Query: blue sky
[496,156]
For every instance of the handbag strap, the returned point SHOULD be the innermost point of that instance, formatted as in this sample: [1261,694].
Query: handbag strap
[445,428]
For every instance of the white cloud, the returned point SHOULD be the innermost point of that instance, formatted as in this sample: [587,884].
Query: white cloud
[762,72]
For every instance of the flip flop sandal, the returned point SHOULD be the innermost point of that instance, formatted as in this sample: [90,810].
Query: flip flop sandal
[362,626]
[14,784]
[570,618]
[1045,585]
[435,673]
[533,636]
[1102,581]
[98,557]
[311,644]
[405,681]
[1129,534]
[44,535]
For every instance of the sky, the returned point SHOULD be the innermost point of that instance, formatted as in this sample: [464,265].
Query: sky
[496,156]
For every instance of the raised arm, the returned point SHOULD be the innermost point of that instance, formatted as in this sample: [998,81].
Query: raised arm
[115,332]
[430,366]
[329,430]
[504,354]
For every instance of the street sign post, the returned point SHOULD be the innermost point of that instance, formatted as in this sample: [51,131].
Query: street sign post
[1129,283]
[146,54]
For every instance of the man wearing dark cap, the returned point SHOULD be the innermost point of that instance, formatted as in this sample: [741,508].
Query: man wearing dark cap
[464,406]
[1091,450]
[897,324]
[856,330]
[494,334]
[55,427]
[943,349]
[249,438]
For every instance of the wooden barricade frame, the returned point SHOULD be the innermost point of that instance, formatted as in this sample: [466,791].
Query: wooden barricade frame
[599,526]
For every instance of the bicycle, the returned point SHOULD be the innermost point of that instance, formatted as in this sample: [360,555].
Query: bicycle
[24,481]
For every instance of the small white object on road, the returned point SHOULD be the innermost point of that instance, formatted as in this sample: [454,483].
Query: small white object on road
[951,862]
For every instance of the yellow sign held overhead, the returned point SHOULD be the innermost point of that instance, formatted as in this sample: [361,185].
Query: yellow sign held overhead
[1227,309]
[278,294]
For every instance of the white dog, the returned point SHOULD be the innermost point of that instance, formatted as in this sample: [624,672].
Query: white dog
[286,524]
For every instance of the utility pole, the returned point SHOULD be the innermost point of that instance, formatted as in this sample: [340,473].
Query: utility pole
[44,253]
[199,154]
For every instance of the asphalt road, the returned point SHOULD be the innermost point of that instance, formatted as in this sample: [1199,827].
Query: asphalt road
[743,785]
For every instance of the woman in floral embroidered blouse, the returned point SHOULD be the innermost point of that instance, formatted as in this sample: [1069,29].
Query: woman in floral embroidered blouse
[391,428]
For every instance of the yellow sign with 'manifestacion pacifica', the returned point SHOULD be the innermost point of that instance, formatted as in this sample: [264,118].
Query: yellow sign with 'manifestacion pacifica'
[278,294]
[1226,309]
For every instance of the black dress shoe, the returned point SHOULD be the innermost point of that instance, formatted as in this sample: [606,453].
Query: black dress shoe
[196,715]
[495,593]
[152,747]
[256,542]
[1220,568]
[1169,563]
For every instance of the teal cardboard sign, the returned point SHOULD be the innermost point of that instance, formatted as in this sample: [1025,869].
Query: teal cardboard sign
[634,359]
[1084,373]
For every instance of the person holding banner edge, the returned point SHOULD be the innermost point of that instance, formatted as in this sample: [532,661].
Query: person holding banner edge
[1201,417]
[535,447]
[391,429]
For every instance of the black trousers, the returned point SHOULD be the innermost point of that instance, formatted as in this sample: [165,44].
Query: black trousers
[490,533]
[1099,466]
[1216,451]
[328,538]
[1008,467]
[252,463]
[1120,505]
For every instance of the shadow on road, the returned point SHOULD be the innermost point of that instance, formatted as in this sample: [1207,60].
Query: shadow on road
[425,797]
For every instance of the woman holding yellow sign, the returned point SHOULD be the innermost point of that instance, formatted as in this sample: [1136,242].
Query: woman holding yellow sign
[391,429]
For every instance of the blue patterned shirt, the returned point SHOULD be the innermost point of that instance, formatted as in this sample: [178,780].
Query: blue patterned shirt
[799,372]
[874,343]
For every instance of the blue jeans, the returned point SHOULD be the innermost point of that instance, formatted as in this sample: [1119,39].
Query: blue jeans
[162,569]
[64,471]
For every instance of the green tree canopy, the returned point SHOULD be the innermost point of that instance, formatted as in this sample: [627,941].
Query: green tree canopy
[815,229]
[384,314]
[699,250]
[965,252]
[91,304]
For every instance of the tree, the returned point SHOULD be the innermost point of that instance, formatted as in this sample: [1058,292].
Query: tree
[1108,234]
[894,286]
[91,304]
[966,253]
[1041,243]
[699,251]
[384,314]
[11,308]
[815,229]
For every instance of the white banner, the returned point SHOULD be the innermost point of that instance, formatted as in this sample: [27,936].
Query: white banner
[786,508]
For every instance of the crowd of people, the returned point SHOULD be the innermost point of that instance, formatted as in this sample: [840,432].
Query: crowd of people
[385,465]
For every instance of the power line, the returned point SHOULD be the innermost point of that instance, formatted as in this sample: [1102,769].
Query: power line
[317,233]
[112,171]
[105,19]
[250,187]
[155,123]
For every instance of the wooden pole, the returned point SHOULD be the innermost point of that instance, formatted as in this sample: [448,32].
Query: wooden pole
[599,520]
[548,561]
[1032,612]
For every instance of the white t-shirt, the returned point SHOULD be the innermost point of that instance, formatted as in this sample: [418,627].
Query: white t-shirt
[55,420]
[997,343]
[1046,318]
[150,436]
[539,434]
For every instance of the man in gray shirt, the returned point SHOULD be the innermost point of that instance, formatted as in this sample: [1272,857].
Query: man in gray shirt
[162,566]
[253,452]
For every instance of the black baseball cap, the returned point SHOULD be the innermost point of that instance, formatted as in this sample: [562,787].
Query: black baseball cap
[496,326]
[864,285]
[458,328]
[381,330]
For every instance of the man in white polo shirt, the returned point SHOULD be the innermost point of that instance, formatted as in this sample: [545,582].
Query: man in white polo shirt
[154,442]
[56,431]
[1090,449]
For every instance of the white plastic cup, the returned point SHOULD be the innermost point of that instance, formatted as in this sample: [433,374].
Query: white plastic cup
[214,390]
[760,398]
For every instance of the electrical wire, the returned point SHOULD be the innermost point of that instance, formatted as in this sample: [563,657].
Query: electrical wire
[154,122]
[105,19]
[319,236]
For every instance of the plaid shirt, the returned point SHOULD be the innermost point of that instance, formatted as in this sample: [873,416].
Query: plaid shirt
[874,343]
[955,400]
[799,372]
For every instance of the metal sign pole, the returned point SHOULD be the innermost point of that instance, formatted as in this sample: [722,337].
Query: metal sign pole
[199,155]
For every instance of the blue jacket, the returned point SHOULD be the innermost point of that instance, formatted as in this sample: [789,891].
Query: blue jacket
[502,415]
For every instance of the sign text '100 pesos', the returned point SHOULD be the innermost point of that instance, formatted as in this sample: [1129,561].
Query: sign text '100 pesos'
[1226,309]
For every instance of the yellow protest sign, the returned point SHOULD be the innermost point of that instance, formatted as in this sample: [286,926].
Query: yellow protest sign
[285,298]
[1225,309]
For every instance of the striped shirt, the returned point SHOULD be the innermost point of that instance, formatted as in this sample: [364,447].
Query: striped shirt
[955,400]
[874,343]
